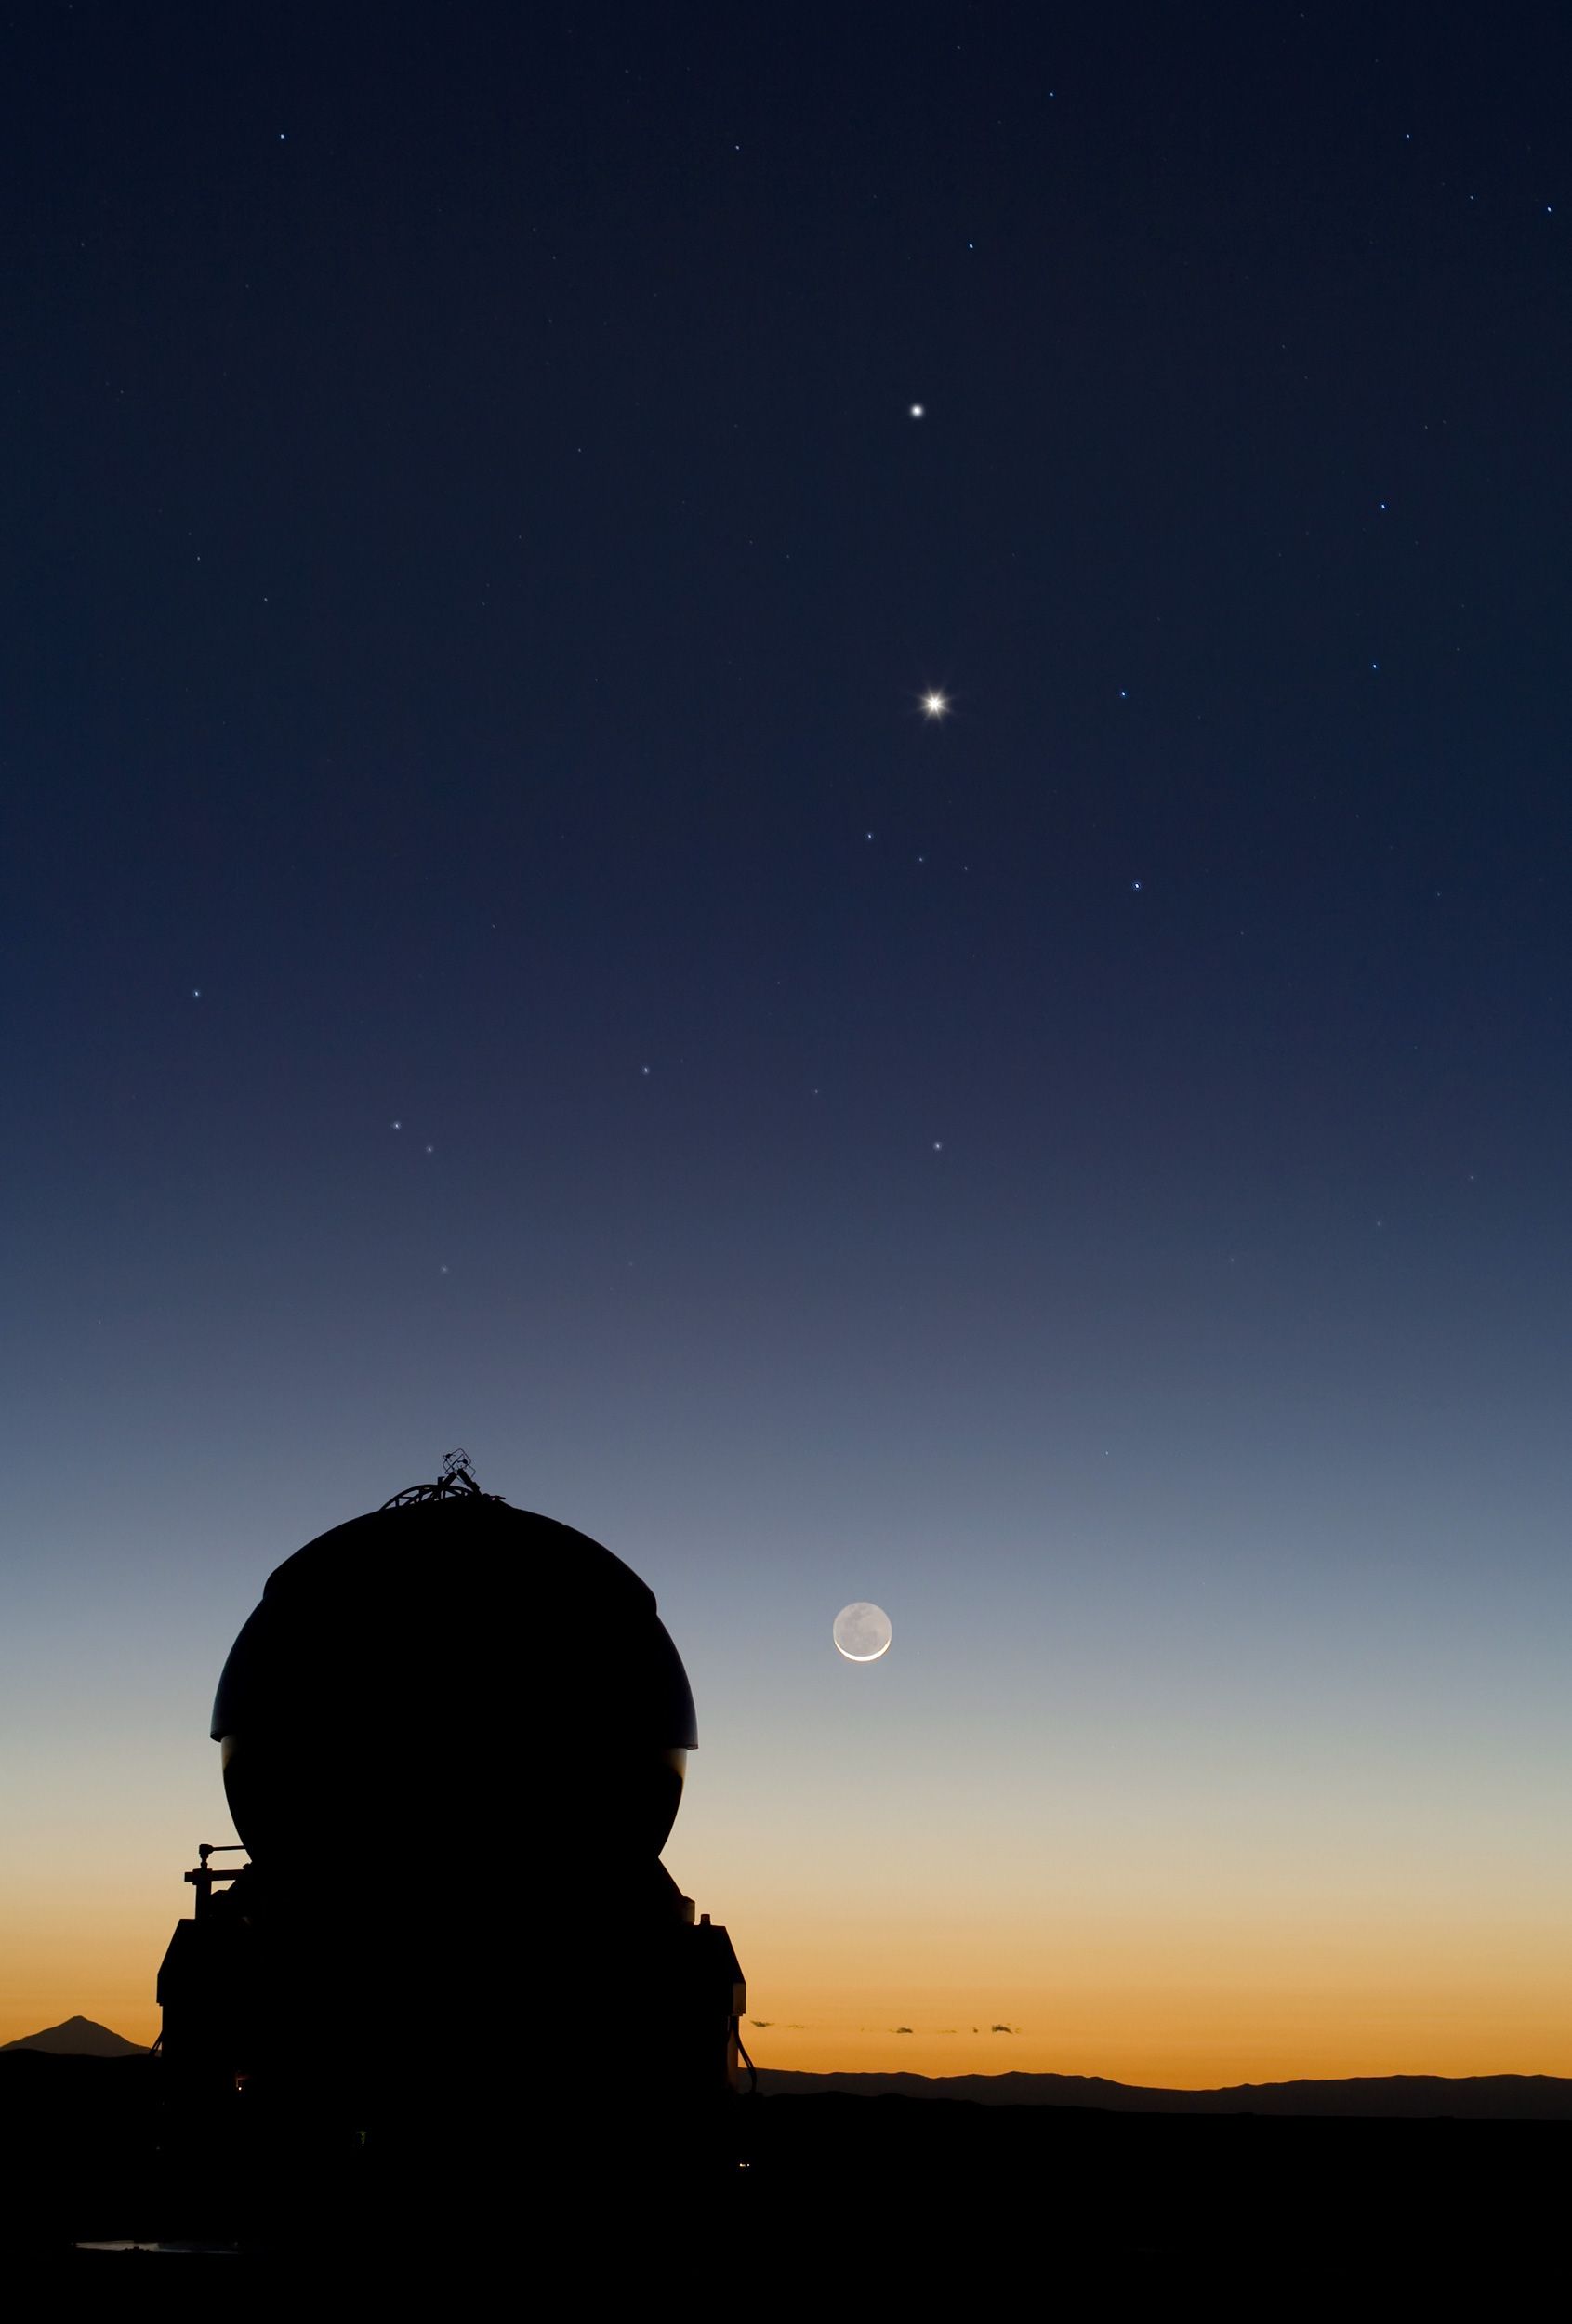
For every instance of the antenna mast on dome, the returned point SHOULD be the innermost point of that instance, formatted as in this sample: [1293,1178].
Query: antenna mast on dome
[455,1482]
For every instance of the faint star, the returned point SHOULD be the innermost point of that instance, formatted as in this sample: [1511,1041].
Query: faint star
[428,1149]
[935,705]
[196,992]
[938,1145]
[917,411]
[1135,886]
[644,1069]
[398,1124]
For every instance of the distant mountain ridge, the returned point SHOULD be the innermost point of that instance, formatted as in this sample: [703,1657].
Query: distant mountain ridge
[1474,2098]
[78,2037]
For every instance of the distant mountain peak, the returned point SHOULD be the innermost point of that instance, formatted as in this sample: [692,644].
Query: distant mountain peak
[78,2037]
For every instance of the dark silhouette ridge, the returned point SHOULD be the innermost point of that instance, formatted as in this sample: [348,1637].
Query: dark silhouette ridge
[78,2037]
[1392,2097]
[957,2193]
[922,2192]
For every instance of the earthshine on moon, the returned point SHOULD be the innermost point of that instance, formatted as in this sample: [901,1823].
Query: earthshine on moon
[862,1632]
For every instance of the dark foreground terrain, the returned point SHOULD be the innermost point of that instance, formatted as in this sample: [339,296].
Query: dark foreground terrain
[829,2192]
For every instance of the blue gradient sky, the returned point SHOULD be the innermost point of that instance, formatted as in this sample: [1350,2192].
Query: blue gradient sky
[1088,1174]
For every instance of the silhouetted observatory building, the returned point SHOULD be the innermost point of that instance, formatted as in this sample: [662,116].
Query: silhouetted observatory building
[453,1742]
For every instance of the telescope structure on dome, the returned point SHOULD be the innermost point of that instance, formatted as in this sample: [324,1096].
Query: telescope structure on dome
[454,1738]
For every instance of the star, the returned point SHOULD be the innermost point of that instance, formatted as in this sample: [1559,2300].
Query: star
[398,1124]
[935,705]
[917,411]
[938,1145]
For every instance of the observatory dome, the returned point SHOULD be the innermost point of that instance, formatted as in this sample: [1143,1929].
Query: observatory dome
[448,1671]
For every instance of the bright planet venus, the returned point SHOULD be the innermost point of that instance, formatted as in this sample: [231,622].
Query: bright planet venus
[862,1632]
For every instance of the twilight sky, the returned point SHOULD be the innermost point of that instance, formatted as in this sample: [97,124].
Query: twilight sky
[497,956]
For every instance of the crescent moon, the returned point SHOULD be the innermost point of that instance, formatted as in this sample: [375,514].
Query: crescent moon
[862,1632]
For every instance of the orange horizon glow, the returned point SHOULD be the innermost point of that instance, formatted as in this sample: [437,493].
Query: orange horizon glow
[1137,1919]
[1202,2009]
